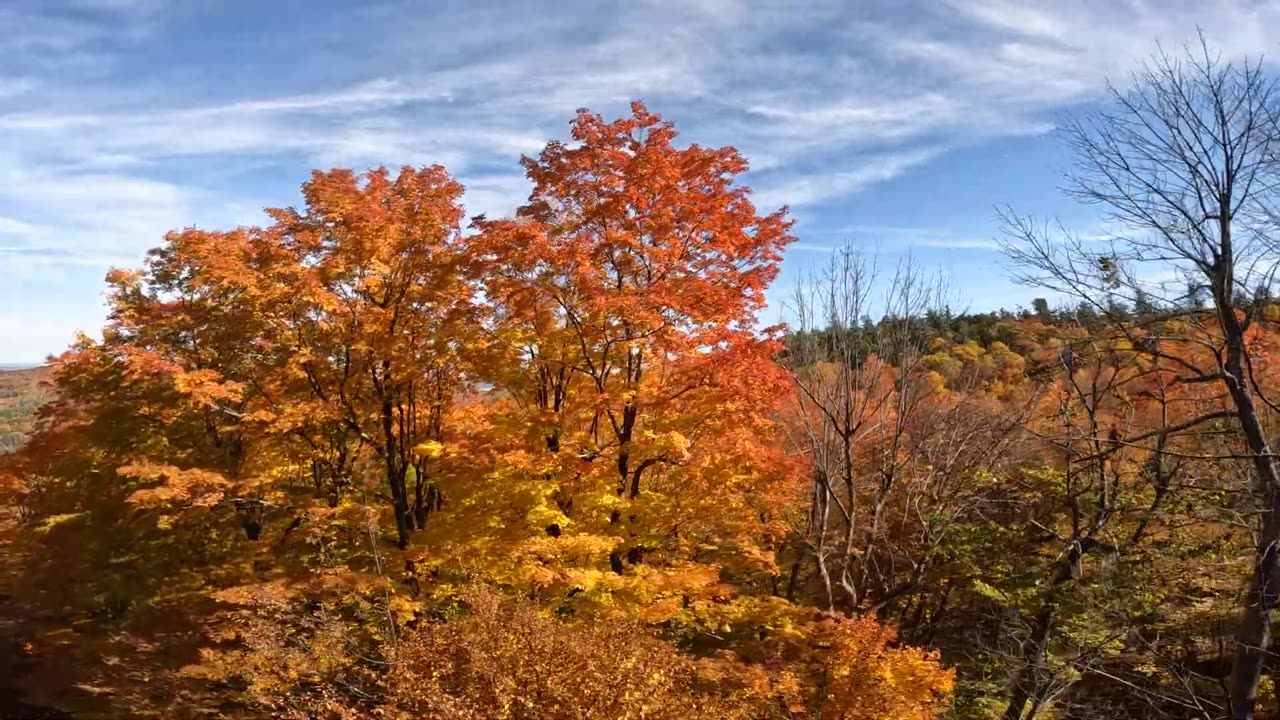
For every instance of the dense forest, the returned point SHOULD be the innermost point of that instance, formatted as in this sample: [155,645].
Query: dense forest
[379,459]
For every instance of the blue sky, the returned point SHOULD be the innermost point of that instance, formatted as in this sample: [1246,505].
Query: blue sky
[897,124]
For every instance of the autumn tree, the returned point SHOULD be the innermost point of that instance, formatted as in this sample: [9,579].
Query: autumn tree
[331,333]
[625,294]
[377,316]
[1184,161]
[1120,465]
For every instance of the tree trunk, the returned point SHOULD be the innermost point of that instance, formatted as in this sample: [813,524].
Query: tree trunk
[794,575]
[424,497]
[420,509]
[1036,645]
[1033,651]
[395,477]
[1255,628]
[1254,635]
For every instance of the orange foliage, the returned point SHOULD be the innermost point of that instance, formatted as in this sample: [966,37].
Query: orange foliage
[317,441]
[633,392]
[497,660]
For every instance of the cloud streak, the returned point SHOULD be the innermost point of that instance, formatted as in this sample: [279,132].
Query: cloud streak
[125,119]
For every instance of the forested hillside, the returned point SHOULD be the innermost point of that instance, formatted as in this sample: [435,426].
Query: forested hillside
[377,459]
[22,392]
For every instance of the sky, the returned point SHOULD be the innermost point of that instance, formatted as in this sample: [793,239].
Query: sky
[897,125]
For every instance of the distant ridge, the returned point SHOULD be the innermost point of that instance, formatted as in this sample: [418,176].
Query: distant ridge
[19,366]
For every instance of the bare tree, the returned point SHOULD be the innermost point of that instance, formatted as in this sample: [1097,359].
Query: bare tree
[1184,161]
[859,418]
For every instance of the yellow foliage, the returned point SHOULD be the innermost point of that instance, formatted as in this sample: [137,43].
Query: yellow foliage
[429,449]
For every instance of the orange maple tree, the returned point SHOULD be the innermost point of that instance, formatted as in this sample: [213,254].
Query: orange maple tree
[634,392]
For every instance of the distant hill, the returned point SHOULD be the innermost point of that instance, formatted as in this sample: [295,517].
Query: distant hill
[22,392]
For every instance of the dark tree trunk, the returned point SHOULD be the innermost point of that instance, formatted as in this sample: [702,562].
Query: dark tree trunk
[1033,652]
[794,576]
[395,476]
[1034,649]
[1254,635]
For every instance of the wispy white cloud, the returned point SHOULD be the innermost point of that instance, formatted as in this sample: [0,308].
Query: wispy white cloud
[808,247]
[495,195]
[121,124]
[824,183]
[9,226]
[898,238]
[942,238]
[88,218]
[955,243]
